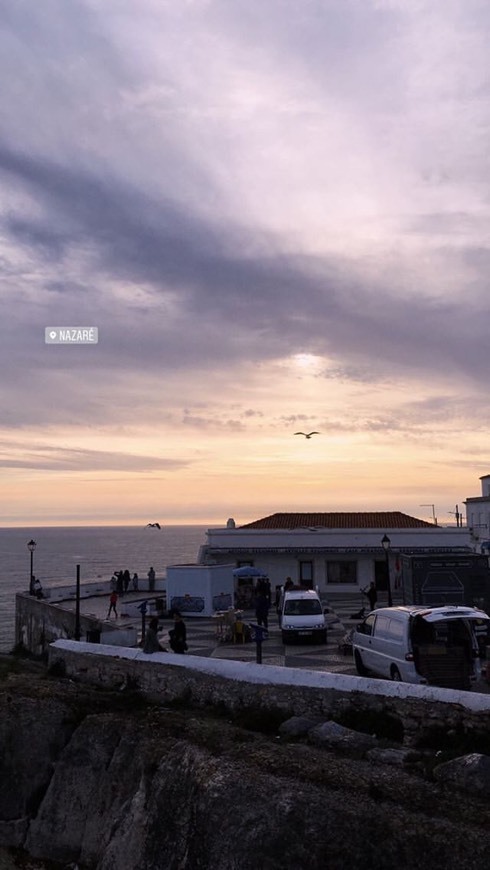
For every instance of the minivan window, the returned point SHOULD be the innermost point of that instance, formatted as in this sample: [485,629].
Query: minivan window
[390,628]
[302,607]
[396,629]
[382,624]
[366,627]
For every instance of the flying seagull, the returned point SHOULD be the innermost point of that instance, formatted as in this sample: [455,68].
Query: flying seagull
[153,526]
[307,434]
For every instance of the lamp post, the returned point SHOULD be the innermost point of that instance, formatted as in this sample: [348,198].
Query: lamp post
[385,542]
[31,546]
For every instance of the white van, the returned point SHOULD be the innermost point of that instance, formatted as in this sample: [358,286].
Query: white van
[301,616]
[415,644]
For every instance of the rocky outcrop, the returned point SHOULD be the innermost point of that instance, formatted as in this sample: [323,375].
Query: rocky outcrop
[101,780]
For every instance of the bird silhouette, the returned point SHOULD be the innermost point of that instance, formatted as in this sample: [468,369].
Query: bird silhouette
[153,526]
[307,434]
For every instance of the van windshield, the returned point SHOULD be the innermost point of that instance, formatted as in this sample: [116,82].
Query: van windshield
[302,607]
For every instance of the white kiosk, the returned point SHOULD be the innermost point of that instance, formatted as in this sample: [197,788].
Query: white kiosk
[200,590]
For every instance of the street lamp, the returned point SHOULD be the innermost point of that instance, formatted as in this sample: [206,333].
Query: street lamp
[385,543]
[31,546]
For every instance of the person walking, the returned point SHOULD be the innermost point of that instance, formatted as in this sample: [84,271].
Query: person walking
[371,595]
[112,604]
[178,634]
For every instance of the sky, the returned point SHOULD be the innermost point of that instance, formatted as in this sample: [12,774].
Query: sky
[276,215]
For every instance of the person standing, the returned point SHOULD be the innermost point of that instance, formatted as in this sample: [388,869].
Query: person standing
[152,644]
[151,579]
[261,609]
[135,582]
[178,634]
[112,604]
[119,583]
[267,591]
[126,580]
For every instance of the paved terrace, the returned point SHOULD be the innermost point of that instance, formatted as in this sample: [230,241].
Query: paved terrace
[203,639]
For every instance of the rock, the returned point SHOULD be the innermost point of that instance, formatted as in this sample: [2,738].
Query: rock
[137,786]
[13,833]
[469,772]
[32,733]
[297,726]
[393,757]
[335,736]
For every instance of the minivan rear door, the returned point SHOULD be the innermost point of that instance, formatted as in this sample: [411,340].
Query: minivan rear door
[443,614]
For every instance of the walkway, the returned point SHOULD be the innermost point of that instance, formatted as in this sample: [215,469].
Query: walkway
[203,641]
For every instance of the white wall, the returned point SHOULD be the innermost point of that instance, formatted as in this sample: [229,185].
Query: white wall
[279,552]
[202,585]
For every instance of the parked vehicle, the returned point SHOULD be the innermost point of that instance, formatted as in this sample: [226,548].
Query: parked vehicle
[437,646]
[301,616]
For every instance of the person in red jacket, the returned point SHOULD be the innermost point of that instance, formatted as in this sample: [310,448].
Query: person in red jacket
[112,604]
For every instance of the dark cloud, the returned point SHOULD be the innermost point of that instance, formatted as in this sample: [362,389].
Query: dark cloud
[114,217]
[48,458]
[269,300]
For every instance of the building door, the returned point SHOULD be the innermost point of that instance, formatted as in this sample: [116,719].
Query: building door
[381,575]
[306,574]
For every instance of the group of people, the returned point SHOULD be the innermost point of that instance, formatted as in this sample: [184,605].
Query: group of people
[120,581]
[177,636]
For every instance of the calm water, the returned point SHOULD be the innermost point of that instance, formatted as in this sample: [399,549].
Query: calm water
[98,550]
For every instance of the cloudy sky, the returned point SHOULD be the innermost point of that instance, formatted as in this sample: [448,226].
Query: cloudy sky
[276,213]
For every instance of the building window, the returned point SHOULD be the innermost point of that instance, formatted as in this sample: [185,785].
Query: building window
[342,572]
[306,574]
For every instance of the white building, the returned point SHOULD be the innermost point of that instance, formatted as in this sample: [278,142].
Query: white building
[338,552]
[478,516]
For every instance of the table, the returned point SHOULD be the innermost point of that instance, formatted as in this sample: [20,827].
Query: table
[225,619]
[219,617]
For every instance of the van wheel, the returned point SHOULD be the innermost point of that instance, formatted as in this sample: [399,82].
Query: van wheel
[361,670]
[395,675]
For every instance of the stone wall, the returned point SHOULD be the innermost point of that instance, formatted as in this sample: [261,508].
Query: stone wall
[414,712]
[38,623]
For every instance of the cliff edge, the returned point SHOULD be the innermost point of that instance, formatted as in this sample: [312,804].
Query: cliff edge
[101,780]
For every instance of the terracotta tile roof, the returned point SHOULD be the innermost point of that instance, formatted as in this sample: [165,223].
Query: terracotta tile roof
[360,520]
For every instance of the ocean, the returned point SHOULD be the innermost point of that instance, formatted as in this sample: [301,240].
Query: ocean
[99,550]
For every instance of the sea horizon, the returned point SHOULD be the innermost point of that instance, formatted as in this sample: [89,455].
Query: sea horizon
[126,525]
[98,550]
